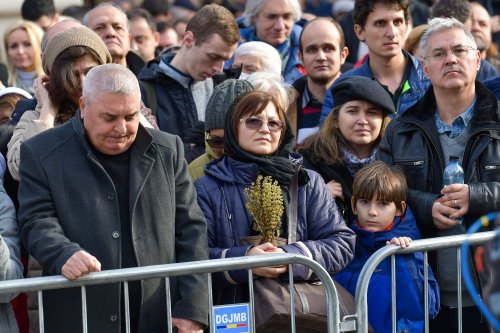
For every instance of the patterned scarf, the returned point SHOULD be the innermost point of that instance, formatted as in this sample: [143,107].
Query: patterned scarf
[353,163]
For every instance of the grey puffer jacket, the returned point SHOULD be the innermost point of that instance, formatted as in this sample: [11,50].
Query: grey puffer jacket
[10,263]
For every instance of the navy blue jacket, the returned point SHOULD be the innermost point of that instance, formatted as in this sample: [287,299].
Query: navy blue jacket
[409,281]
[322,234]
[493,84]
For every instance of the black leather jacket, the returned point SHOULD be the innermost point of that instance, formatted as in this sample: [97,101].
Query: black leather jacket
[412,142]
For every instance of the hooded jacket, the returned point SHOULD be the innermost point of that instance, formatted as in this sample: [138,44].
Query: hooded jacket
[409,281]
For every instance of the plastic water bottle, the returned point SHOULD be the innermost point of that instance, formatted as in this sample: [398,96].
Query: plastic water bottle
[453,174]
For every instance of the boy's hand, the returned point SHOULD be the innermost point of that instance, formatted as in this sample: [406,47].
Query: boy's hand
[401,241]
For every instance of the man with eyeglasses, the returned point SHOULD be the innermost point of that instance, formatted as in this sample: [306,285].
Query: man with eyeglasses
[457,116]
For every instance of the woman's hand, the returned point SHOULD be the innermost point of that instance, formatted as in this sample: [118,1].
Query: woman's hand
[48,112]
[403,242]
[335,189]
[269,272]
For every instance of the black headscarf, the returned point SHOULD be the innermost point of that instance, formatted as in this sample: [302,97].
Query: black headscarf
[278,165]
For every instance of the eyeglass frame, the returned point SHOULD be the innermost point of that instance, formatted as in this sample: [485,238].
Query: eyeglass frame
[453,50]
[283,124]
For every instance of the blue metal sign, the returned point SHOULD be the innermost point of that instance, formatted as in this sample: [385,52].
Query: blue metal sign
[232,318]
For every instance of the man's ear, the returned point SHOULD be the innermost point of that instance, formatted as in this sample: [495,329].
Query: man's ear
[300,57]
[359,32]
[81,103]
[353,206]
[403,206]
[343,55]
[423,62]
[156,37]
[188,39]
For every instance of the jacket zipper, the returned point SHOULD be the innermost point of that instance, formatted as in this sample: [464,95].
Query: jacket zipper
[411,163]
[429,139]
[229,216]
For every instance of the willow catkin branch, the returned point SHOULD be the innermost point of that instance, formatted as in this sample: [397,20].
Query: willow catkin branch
[265,205]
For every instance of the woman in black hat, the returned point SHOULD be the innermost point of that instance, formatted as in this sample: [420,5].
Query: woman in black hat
[349,137]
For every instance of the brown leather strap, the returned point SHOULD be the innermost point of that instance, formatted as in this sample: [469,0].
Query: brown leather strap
[292,214]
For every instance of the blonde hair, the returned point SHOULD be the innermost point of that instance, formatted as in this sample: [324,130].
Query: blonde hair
[35,34]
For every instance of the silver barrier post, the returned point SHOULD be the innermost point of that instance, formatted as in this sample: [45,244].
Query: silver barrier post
[426,292]
[292,297]
[41,322]
[252,301]
[393,292]
[169,305]
[211,304]
[127,306]
[459,289]
[84,310]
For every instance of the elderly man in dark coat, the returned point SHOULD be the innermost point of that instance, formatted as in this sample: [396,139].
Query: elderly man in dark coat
[103,192]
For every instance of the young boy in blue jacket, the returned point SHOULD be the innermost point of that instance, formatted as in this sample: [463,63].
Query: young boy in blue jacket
[379,194]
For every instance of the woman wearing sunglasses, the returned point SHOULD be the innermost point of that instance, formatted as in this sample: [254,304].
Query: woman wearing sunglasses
[221,100]
[258,141]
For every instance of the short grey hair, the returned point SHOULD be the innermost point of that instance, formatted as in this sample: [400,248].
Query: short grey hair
[273,84]
[253,8]
[269,56]
[111,78]
[85,20]
[439,24]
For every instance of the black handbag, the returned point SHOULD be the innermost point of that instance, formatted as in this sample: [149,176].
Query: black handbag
[272,296]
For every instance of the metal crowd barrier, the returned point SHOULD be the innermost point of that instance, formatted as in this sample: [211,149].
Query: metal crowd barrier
[422,245]
[179,269]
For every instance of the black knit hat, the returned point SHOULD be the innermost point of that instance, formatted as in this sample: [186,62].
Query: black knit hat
[221,100]
[362,88]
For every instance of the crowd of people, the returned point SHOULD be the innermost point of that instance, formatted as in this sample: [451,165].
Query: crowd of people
[133,134]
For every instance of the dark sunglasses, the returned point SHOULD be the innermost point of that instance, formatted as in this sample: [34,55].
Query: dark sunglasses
[215,142]
[254,123]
